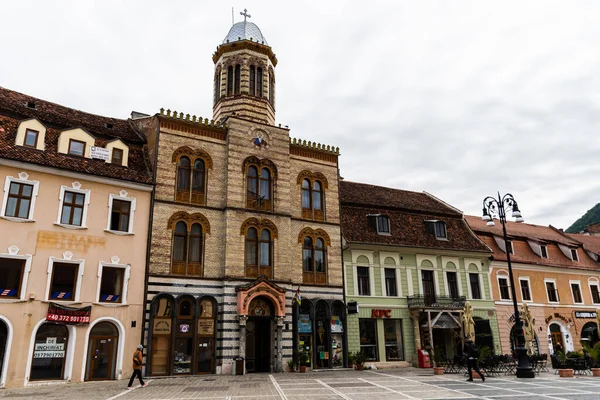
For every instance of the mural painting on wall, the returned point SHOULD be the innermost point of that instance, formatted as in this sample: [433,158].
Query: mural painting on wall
[259,308]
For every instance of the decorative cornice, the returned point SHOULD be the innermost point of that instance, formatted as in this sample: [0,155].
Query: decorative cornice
[245,45]
[314,234]
[259,225]
[189,219]
[187,151]
[314,150]
[192,124]
[312,176]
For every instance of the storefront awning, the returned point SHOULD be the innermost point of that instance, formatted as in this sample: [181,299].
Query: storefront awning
[443,322]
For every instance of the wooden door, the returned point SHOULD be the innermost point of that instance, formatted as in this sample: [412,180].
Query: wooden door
[101,359]
[428,287]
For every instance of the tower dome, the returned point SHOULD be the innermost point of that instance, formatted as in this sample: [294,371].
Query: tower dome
[245,30]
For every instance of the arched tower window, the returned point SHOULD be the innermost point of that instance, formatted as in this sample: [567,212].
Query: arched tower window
[272,89]
[238,74]
[252,184]
[306,198]
[217,96]
[198,182]
[259,82]
[186,256]
[230,81]
[260,175]
[252,80]
[314,255]
[258,251]
[183,179]
[191,177]
[313,195]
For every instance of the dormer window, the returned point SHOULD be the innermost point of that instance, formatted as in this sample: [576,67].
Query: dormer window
[109,126]
[574,255]
[31,104]
[117,156]
[76,148]
[437,228]
[544,251]
[380,223]
[31,138]
[510,249]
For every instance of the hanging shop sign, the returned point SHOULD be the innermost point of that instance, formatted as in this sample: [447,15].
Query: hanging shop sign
[162,327]
[304,323]
[557,316]
[352,307]
[206,326]
[585,314]
[68,315]
[381,313]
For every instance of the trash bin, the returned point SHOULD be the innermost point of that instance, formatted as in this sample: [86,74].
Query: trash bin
[424,361]
[238,366]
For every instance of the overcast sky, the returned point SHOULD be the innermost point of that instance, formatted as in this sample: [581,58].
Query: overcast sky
[457,98]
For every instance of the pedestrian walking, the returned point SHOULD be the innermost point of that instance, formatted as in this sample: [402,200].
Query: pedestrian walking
[472,352]
[138,358]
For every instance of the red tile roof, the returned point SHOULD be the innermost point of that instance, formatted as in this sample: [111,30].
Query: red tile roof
[408,212]
[57,118]
[590,242]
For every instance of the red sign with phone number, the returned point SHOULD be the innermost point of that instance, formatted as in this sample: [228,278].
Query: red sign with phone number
[68,315]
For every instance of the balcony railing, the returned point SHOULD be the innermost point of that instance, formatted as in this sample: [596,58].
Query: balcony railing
[440,302]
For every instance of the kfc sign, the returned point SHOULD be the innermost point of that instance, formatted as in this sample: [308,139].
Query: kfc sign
[381,313]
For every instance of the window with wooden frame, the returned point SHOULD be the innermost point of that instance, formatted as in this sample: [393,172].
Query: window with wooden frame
[76,148]
[119,216]
[191,181]
[19,200]
[364,283]
[437,228]
[117,156]
[31,138]
[312,199]
[474,284]
[187,251]
[72,208]
[259,253]
[314,260]
[551,291]
[64,281]
[574,255]
[238,75]
[11,277]
[256,81]
[504,287]
[259,191]
[576,290]
[271,89]
[525,291]
[230,81]
[595,292]
[544,251]
[217,96]
[111,284]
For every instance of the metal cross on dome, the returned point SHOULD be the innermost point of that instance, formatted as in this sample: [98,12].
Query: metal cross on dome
[245,14]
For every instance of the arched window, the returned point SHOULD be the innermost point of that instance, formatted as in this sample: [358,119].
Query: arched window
[217,96]
[183,179]
[314,260]
[306,204]
[259,249]
[238,72]
[50,368]
[187,249]
[313,199]
[252,80]
[252,184]
[259,82]
[191,180]
[265,184]
[260,188]
[184,338]
[272,89]
[160,322]
[230,81]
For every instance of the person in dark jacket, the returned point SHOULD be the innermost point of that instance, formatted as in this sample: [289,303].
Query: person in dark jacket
[472,352]
[138,358]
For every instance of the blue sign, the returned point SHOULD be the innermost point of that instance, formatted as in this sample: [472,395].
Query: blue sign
[304,323]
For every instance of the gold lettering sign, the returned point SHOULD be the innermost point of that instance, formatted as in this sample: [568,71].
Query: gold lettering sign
[68,241]
[162,327]
[206,327]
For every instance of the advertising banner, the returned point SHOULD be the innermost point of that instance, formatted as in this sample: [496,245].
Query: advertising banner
[68,315]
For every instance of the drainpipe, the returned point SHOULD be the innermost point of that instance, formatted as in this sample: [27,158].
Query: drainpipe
[345,322]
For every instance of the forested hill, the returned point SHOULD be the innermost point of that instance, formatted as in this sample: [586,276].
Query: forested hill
[590,217]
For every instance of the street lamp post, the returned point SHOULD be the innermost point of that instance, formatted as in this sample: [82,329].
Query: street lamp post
[497,207]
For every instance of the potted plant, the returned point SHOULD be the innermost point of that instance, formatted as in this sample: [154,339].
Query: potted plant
[437,358]
[594,353]
[351,360]
[291,364]
[304,361]
[359,360]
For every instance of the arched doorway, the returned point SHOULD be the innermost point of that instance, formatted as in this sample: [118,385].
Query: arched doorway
[589,334]
[205,358]
[556,338]
[259,335]
[102,352]
[323,334]
[49,355]
[3,343]
[162,320]
[184,336]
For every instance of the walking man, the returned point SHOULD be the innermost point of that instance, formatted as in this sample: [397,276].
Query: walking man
[137,367]
[472,352]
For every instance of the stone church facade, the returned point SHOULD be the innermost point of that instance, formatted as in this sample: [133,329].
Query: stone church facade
[243,217]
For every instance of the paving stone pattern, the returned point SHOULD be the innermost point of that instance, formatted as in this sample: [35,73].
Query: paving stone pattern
[402,384]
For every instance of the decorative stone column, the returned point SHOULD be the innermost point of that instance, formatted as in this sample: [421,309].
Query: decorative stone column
[243,319]
[279,365]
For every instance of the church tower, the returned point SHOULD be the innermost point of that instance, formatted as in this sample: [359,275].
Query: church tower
[244,81]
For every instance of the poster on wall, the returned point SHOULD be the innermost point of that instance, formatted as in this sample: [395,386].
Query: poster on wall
[304,323]
[336,325]
[162,327]
[68,315]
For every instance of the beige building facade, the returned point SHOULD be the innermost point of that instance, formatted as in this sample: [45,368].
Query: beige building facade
[74,214]
[244,216]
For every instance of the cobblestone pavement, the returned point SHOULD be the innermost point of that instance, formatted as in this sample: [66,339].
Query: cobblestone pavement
[406,383]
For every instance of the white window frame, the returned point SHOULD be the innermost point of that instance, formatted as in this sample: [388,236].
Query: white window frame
[470,291]
[371,281]
[553,281]
[541,252]
[114,263]
[13,253]
[526,278]
[593,282]
[383,278]
[75,188]
[445,271]
[574,255]
[502,274]
[511,250]
[578,283]
[123,197]
[24,179]
[67,259]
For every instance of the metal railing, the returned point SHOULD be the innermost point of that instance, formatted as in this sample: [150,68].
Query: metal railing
[441,302]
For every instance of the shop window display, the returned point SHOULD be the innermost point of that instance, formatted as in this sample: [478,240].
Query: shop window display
[368,338]
[49,353]
[393,340]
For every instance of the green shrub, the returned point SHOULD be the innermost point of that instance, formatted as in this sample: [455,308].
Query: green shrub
[574,354]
